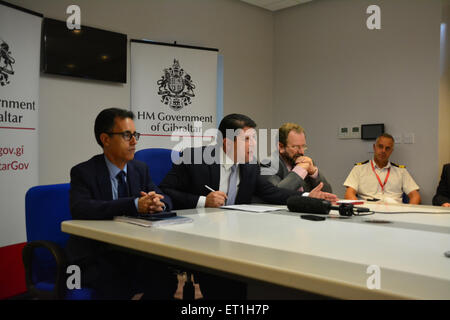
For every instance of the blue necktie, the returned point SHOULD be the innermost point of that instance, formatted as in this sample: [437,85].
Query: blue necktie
[122,188]
[232,186]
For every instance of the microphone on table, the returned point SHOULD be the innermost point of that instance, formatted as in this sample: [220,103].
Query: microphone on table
[321,206]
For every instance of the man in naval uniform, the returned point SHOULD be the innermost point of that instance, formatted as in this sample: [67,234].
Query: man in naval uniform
[380,179]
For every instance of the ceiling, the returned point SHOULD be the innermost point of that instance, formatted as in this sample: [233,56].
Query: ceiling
[274,5]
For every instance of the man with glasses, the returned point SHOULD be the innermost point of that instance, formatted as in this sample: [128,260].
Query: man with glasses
[232,170]
[108,185]
[295,170]
[224,174]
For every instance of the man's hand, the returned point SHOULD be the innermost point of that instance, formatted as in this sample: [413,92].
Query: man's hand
[150,202]
[318,193]
[306,163]
[447,205]
[215,199]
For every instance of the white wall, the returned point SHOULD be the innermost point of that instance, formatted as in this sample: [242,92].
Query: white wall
[68,106]
[330,70]
[315,64]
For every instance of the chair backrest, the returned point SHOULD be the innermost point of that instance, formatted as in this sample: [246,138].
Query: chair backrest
[45,208]
[405,198]
[158,160]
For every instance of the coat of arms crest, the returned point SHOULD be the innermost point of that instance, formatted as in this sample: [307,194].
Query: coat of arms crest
[6,62]
[175,87]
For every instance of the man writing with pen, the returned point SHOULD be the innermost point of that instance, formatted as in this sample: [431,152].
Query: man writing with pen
[227,173]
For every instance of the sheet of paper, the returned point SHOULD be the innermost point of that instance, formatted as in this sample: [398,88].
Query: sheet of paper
[389,208]
[158,223]
[253,208]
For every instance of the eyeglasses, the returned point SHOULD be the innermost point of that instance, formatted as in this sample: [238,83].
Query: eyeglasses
[304,147]
[127,135]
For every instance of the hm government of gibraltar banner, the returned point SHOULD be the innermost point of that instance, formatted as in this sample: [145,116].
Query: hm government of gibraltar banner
[173,94]
[20,38]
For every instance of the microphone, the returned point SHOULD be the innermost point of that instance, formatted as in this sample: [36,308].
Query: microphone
[308,205]
[320,206]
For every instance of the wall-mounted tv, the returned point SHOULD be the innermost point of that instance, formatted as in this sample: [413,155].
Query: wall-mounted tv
[89,53]
[371,131]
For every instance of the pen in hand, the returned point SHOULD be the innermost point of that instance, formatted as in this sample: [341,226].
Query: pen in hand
[215,198]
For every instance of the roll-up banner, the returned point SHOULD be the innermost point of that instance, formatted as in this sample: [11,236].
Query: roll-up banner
[20,40]
[173,94]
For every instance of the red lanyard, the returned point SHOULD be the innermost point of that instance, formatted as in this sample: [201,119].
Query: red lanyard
[379,180]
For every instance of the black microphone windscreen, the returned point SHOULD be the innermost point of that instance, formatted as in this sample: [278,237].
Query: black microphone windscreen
[308,205]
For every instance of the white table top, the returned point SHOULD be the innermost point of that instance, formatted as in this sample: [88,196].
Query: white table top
[328,257]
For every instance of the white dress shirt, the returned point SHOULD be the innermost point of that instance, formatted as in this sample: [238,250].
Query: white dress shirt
[225,171]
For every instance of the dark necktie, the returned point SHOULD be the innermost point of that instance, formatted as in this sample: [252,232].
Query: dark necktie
[232,186]
[122,187]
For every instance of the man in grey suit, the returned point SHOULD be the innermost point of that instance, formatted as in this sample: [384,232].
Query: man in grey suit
[295,170]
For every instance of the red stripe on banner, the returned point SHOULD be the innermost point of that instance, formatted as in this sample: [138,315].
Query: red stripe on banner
[17,128]
[173,135]
[12,272]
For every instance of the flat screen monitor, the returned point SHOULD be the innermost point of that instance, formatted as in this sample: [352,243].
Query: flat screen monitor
[86,53]
[371,131]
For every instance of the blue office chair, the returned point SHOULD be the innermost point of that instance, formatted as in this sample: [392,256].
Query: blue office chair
[405,198]
[158,160]
[43,256]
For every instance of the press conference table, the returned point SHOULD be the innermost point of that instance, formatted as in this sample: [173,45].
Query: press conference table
[329,258]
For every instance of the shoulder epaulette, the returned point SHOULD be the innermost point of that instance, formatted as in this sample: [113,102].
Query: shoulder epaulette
[360,163]
[398,165]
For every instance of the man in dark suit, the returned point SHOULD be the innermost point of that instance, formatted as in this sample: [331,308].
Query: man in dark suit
[215,166]
[109,185]
[442,197]
[232,173]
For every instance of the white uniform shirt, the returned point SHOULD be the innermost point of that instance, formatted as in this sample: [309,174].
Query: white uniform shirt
[364,181]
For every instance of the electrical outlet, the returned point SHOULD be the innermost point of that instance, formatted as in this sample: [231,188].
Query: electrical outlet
[343,133]
[355,132]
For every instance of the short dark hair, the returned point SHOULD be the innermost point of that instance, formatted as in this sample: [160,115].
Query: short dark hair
[235,121]
[385,135]
[104,122]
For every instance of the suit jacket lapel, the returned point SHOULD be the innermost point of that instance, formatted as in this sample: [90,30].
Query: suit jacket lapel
[282,169]
[103,179]
[133,179]
[214,169]
[244,170]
